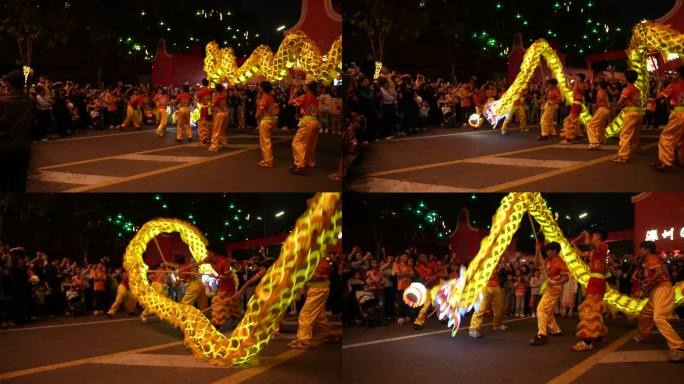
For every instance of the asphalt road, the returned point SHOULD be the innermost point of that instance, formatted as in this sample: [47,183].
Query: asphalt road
[467,160]
[125,350]
[399,354]
[139,161]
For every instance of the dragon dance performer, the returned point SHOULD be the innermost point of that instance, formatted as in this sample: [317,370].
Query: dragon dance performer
[479,101]
[590,327]
[660,303]
[161,100]
[220,108]
[267,116]
[225,303]
[673,134]
[571,124]
[517,113]
[313,311]
[134,104]
[204,100]
[433,275]
[630,103]
[123,296]
[194,288]
[548,118]
[184,100]
[305,140]
[493,297]
[557,276]
[596,130]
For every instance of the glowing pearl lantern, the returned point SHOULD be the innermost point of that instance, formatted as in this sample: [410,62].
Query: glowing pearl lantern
[415,295]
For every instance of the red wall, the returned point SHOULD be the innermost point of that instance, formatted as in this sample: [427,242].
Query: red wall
[661,211]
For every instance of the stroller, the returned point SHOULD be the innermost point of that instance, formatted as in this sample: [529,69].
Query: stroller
[75,301]
[371,308]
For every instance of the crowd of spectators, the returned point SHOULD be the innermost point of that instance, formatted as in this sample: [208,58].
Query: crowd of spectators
[66,107]
[399,104]
[380,278]
[35,287]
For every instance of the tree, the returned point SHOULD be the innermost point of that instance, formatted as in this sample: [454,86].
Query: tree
[382,19]
[29,22]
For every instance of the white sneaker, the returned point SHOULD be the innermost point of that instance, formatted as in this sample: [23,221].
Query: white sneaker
[475,334]
[501,327]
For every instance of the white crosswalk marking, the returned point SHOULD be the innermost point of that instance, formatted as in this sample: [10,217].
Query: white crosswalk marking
[376,184]
[518,162]
[73,178]
[161,158]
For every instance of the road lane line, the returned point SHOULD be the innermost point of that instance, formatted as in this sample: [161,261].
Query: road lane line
[522,162]
[165,170]
[72,363]
[392,339]
[483,130]
[454,162]
[659,355]
[585,365]
[157,360]
[264,365]
[509,186]
[68,325]
[72,178]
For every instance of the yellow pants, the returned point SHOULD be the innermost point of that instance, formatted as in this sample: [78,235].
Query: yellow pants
[218,135]
[670,138]
[163,121]
[422,315]
[590,314]
[546,321]
[492,297]
[161,289]
[548,120]
[571,127]
[194,291]
[596,130]
[183,123]
[123,296]
[131,117]
[313,313]
[630,136]
[518,113]
[223,307]
[266,127]
[304,143]
[656,312]
[204,129]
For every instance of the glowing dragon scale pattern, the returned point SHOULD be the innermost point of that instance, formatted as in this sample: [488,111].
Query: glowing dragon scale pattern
[297,50]
[315,231]
[456,297]
[647,38]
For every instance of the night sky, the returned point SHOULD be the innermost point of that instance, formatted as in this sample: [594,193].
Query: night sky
[485,29]
[385,216]
[64,225]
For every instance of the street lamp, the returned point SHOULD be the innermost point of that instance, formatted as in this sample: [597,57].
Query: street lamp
[279,213]
[282,27]
[583,215]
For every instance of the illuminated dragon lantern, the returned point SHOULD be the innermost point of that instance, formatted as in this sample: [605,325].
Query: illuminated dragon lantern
[647,39]
[456,297]
[297,51]
[315,231]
